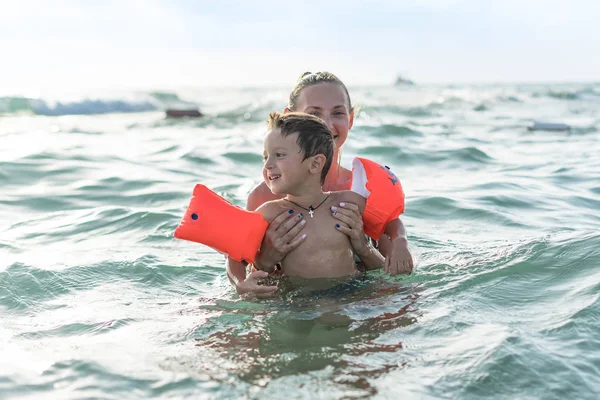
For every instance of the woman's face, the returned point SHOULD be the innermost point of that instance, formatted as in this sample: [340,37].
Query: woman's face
[328,101]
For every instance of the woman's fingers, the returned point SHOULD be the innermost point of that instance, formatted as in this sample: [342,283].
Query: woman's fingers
[288,224]
[349,214]
[255,276]
[386,265]
[346,210]
[295,229]
[345,219]
[255,288]
[393,268]
[350,206]
[284,228]
[260,289]
[344,229]
[295,243]
[280,219]
[396,267]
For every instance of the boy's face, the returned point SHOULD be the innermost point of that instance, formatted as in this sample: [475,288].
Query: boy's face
[283,166]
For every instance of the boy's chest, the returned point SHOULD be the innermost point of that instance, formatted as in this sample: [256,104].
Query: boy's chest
[321,230]
[325,252]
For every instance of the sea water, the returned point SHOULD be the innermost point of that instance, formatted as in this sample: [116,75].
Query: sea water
[98,300]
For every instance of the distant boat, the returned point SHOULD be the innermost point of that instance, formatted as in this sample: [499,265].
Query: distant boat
[548,126]
[403,81]
[183,112]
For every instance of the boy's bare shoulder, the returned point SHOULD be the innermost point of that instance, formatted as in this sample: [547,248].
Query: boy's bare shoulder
[271,209]
[349,196]
[258,196]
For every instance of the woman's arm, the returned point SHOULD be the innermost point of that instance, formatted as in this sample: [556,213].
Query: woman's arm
[371,258]
[394,246]
[351,223]
[282,236]
[236,272]
[393,254]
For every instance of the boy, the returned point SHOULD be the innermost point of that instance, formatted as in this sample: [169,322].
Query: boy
[298,153]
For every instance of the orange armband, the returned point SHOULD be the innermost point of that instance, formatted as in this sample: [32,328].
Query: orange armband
[383,191]
[213,221]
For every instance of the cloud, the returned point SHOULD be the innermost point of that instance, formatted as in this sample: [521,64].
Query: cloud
[158,42]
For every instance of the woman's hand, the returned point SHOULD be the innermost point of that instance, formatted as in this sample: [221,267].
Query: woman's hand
[250,287]
[282,236]
[398,259]
[351,224]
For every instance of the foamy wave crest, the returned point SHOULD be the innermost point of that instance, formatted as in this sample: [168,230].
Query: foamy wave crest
[127,104]
[12,105]
[86,107]
[588,93]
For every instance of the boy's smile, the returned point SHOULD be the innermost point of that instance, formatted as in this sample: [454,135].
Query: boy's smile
[273,177]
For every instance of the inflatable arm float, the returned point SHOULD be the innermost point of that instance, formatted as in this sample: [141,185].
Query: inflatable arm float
[383,191]
[215,222]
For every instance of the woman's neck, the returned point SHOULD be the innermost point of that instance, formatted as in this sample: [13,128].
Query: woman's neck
[338,178]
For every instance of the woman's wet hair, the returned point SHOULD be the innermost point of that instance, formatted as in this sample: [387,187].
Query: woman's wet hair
[314,78]
[314,137]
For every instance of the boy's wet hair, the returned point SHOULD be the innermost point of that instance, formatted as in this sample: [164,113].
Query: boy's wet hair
[309,79]
[314,137]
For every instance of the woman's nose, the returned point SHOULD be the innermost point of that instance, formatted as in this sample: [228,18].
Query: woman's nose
[329,123]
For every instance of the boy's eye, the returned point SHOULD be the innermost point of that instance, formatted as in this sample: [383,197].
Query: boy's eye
[264,157]
[280,154]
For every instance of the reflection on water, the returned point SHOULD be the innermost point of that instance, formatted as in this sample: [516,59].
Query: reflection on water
[346,330]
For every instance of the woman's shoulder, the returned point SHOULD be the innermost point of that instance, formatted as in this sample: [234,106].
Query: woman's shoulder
[260,195]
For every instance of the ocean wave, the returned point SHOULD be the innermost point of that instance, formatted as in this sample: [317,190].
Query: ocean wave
[447,209]
[13,105]
[196,159]
[418,111]
[463,156]
[81,328]
[387,130]
[26,287]
[130,103]
[508,99]
[90,107]
[590,93]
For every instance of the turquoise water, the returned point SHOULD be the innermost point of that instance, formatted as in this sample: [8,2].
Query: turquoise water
[97,300]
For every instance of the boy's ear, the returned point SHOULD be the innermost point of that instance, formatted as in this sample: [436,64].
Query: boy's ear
[317,162]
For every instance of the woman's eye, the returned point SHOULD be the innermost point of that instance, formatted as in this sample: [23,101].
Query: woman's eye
[316,114]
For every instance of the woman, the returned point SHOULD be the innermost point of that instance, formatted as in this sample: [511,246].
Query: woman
[321,94]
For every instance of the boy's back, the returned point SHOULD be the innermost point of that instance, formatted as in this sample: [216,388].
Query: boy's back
[326,252]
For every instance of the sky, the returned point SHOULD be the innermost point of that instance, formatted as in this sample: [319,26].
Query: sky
[173,43]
